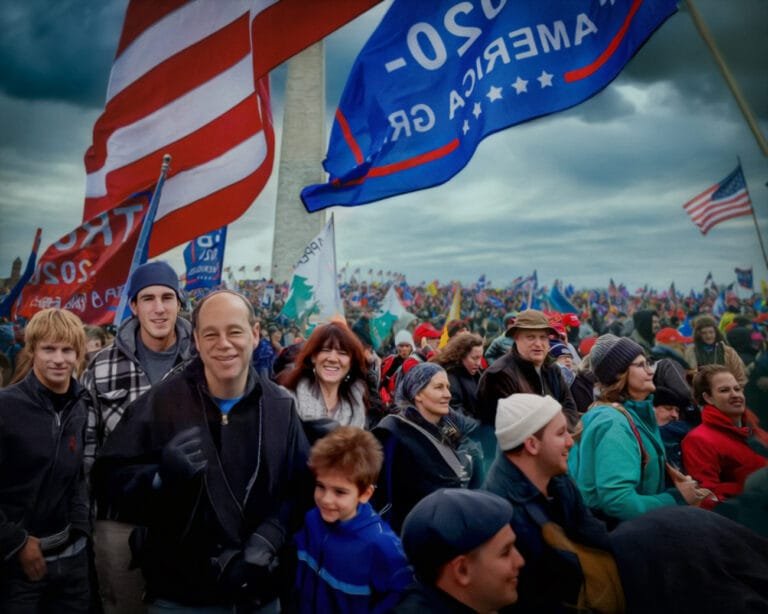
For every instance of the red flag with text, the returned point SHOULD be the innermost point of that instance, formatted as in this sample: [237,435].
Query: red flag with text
[85,270]
[190,78]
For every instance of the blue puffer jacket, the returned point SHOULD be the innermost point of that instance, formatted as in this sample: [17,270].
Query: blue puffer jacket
[354,566]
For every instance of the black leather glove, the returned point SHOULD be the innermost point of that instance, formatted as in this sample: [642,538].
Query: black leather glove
[183,457]
[260,552]
[247,575]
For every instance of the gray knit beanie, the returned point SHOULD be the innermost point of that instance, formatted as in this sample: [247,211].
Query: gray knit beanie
[611,356]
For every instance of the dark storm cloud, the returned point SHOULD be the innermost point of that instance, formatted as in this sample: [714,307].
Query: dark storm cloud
[58,51]
[678,53]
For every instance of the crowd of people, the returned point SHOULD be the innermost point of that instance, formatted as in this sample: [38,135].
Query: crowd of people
[610,459]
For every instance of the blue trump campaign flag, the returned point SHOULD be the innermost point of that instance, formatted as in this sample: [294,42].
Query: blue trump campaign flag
[7,303]
[559,302]
[435,78]
[204,258]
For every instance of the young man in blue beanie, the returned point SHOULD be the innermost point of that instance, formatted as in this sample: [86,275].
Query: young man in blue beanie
[147,347]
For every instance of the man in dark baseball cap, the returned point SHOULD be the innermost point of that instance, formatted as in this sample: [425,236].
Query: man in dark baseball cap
[463,553]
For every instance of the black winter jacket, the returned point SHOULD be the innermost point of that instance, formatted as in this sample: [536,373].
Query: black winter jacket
[42,484]
[189,526]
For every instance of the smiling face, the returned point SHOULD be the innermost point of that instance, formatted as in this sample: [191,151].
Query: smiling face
[433,401]
[553,447]
[492,571]
[337,497]
[331,365]
[53,364]
[225,340]
[156,308]
[532,344]
[473,360]
[727,395]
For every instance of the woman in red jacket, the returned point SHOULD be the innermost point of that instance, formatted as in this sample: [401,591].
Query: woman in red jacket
[723,450]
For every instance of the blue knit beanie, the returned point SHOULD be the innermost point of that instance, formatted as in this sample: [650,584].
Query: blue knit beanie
[415,381]
[153,274]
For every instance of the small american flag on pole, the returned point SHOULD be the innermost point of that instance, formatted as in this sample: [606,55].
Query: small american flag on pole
[723,201]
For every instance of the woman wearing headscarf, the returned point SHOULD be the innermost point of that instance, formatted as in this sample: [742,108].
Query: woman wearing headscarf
[426,445]
[718,453]
[328,377]
[618,461]
[710,348]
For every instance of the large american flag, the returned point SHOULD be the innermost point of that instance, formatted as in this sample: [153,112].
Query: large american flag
[723,201]
[190,78]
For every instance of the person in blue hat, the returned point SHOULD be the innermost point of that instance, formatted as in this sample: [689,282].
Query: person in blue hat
[147,346]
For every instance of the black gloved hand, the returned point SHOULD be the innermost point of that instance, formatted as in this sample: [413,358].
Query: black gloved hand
[183,457]
[247,575]
[260,552]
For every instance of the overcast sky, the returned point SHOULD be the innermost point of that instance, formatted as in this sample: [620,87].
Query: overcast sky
[585,195]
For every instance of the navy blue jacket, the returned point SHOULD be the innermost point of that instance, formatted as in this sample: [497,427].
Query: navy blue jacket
[549,576]
[356,566]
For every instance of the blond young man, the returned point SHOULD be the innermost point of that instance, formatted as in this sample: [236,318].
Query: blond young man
[44,519]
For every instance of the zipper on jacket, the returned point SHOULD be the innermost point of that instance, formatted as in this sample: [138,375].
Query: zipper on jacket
[224,419]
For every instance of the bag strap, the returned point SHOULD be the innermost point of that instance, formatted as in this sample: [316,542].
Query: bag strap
[644,458]
[449,456]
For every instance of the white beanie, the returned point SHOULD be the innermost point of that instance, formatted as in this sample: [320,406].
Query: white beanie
[404,336]
[519,416]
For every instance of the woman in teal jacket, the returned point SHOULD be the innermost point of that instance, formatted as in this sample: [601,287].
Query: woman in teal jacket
[618,461]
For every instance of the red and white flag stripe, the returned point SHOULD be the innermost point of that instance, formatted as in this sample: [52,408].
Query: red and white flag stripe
[190,78]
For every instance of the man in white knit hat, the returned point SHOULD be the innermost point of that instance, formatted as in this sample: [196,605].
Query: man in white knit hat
[530,473]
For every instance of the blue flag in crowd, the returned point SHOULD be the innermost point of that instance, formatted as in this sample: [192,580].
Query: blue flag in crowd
[744,277]
[7,303]
[204,258]
[435,78]
[559,302]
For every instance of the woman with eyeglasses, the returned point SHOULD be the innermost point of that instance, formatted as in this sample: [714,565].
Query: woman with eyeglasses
[618,461]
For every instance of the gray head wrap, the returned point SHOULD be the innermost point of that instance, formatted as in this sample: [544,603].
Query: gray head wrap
[415,381]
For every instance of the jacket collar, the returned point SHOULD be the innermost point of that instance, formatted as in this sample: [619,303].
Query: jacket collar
[40,392]
[194,371]
[713,417]
[517,485]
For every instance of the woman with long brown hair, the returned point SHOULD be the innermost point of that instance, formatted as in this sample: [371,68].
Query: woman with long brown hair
[328,378]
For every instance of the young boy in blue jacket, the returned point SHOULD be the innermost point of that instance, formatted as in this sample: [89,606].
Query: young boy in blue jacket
[349,560]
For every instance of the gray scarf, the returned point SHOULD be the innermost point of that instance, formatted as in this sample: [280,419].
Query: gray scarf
[311,405]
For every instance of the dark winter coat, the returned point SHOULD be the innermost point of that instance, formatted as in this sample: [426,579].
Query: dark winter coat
[42,485]
[190,525]
[537,592]
[463,390]
[512,373]
[422,599]
[413,466]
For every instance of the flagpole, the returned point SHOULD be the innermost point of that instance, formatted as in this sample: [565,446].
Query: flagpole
[142,245]
[754,217]
[734,87]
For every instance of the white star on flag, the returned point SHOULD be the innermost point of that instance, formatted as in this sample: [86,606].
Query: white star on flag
[520,85]
[545,79]
[476,110]
[494,93]
[465,127]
